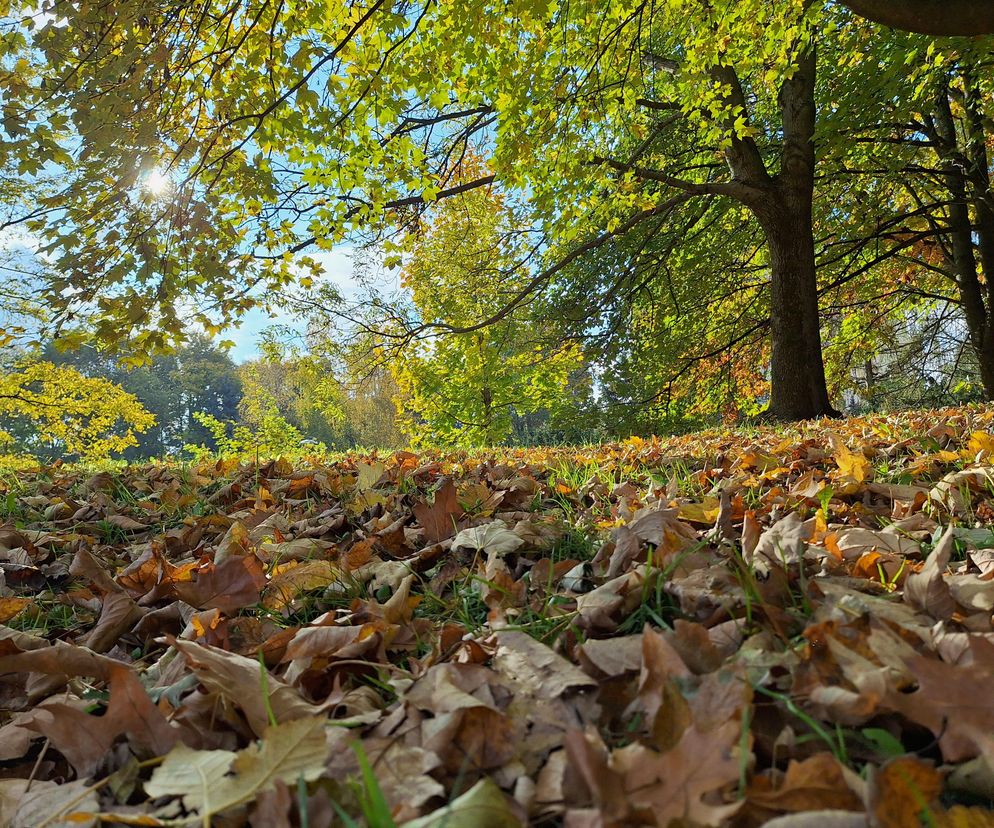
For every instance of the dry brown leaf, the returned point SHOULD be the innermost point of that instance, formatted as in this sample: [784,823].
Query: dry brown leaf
[65,805]
[928,590]
[238,679]
[229,586]
[438,518]
[290,583]
[904,792]
[817,783]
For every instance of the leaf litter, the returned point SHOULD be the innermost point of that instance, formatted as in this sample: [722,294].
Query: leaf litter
[784,627]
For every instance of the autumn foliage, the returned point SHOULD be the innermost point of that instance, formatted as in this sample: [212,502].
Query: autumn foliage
[722,629]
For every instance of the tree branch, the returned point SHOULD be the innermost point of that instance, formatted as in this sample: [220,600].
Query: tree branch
[932,17]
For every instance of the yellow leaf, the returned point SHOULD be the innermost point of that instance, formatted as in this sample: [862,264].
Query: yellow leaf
[212,781]
[854,468]
[11,607]
[290,583]
[705,512]
[981,445]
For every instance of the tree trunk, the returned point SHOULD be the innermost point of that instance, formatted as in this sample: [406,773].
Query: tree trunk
[798,390]
[958,172]
[487,397]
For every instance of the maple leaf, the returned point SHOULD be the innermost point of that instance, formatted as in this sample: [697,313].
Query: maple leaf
[213,781]
[438,518]
[228,586]
[230,675]
[297,579]
[494,538]
[854,468]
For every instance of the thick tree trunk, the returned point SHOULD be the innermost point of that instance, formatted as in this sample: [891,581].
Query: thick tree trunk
[798,390]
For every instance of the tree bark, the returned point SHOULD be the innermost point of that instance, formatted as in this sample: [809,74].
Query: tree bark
[932,17]
[782,204]
[959,173]
[798,390]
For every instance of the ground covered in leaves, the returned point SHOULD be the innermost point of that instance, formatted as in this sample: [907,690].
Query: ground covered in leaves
[782,627]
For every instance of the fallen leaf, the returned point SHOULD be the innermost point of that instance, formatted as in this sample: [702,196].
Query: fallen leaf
[482,806]
[438,518]
[493,538]
[228,586]
[904,792]
[213,781]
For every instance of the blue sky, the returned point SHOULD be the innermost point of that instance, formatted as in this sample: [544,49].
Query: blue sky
[16,255]
[339,270]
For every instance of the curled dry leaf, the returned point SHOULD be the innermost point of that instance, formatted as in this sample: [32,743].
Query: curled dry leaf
[928,590]
[239,679]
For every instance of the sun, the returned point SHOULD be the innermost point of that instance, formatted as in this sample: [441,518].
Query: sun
[156,183]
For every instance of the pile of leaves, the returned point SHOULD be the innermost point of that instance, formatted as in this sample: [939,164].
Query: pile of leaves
[781,627]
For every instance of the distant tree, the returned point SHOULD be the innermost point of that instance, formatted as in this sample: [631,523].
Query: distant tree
[59,412]
[465,388]
[370,393]
[199,377]
[206,381]
[293,385]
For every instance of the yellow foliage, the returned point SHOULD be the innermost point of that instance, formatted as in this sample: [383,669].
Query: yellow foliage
[86,416]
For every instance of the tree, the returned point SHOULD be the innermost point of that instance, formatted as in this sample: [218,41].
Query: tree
[297,387]
[463,389]
[921,185]
[244,134]
[369,394]
[68,413]
[196,378]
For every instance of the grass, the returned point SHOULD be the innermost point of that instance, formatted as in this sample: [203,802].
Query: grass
[48,615]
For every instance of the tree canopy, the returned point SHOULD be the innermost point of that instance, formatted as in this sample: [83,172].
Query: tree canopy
[202,154]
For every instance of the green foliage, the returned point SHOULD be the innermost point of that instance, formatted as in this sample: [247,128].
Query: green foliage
[462,389]
[273,436]
[295,388]
[196,378]
[182,183]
